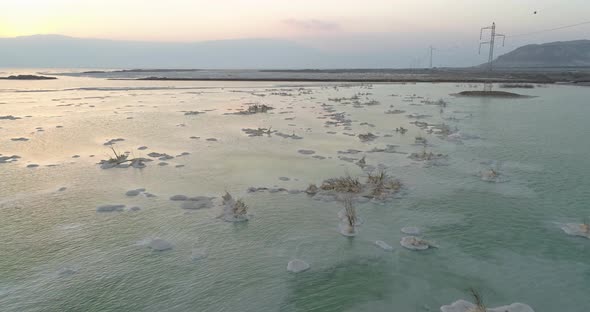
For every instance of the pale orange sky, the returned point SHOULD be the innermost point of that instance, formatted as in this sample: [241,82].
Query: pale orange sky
[186,20]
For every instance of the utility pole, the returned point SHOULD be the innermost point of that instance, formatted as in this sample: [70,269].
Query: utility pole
[492,42]
[431,49]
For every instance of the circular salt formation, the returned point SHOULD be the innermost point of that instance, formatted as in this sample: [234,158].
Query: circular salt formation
[414,243]
[411,230]
[465,306]
[347,230]
[383,245]
[199,253]
[159,244]
[574,229]
[297,266]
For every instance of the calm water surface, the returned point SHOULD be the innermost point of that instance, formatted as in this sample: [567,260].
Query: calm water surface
[58,254]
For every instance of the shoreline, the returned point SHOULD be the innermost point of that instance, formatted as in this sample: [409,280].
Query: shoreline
[359,80]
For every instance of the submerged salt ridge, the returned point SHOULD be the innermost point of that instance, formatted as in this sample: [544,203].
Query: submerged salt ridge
[313,134]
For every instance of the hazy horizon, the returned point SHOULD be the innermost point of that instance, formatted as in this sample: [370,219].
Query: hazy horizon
[394,34]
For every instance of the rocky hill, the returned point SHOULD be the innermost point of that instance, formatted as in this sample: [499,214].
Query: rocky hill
[554,54]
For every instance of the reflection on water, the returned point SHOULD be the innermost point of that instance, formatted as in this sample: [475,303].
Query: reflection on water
[59,254]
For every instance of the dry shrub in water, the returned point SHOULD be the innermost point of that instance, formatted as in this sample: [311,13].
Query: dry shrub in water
[119,158]
[350,212]
[479,306]
[240,208]
[383,184]
[345,184]
[259,108]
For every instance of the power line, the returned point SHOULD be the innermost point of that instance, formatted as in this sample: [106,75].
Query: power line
[548,30]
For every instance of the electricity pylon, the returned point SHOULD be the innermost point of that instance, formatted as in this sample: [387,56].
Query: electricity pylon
[492,42]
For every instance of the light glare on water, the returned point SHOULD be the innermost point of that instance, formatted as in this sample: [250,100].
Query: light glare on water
[59,254]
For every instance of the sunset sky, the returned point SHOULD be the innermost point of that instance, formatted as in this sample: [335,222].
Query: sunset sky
[192,20]
[322,24]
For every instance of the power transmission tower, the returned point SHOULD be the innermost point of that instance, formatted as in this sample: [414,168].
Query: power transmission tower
[431,49]
[492,42]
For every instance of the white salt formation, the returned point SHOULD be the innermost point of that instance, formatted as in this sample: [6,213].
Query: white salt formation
[199,253]
[159,244]
[465,306]
[297,266]
[415,243]
[575,229]
[383,245]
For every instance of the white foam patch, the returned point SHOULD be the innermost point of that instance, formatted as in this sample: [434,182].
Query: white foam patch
[465,306]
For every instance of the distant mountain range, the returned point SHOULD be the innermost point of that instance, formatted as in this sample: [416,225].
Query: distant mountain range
[554,54]
[56,51]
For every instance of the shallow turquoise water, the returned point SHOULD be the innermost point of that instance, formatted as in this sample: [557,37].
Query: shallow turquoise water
[503,239]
